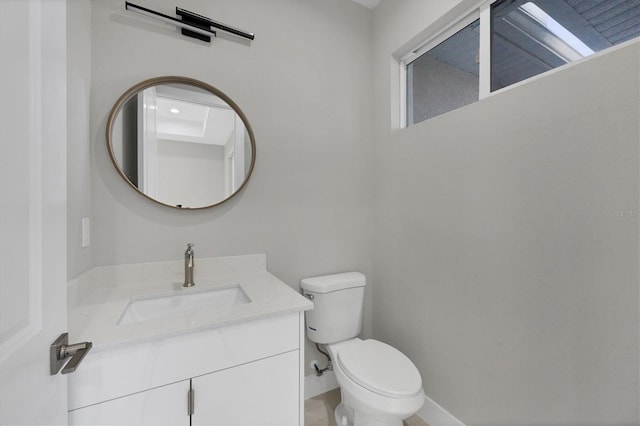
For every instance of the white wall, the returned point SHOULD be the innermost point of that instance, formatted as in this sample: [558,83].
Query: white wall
[499,268]
[78,141]
[305,85]
[180,164]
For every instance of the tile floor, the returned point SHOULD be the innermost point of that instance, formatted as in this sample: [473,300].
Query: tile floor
[318,411]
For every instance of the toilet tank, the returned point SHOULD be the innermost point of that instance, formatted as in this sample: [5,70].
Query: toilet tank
[337,306]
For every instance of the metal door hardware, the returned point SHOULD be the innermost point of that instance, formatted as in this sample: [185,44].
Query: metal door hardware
[190,403]
[60,350]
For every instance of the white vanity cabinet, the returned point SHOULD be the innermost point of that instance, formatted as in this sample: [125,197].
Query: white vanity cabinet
[249,373]
[259,393]
[166,405]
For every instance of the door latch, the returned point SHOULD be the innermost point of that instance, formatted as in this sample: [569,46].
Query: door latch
[60,350]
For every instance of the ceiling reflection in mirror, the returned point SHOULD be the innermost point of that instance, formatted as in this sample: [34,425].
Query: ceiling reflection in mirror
[181,142]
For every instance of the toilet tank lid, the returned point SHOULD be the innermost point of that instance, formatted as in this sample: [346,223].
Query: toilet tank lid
[329,283]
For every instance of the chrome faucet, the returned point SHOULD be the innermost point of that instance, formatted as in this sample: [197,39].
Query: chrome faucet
[188,267]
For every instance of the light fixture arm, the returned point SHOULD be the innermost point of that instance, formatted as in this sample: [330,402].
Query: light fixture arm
[191,24]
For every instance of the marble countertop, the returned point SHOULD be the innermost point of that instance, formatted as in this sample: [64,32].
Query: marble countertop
[98,299]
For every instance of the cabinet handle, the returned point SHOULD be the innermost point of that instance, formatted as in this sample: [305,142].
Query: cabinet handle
[190,403]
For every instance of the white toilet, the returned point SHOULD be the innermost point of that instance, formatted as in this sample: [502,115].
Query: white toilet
[378,383]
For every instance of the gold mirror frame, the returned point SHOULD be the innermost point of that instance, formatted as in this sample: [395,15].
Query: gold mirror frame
[126,96]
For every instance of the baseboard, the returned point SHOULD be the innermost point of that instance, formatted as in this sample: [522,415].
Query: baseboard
[316,385]
[434,415]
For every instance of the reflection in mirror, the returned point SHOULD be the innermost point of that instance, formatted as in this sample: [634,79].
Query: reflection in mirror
[181,142]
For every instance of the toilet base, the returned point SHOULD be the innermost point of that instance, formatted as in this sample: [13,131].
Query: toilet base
[347,416]
[344,416]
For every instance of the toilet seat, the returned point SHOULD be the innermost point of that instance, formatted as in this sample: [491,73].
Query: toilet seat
[380,368]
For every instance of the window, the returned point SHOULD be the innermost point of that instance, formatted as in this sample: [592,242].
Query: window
[445,77]
[517,39]
[531,37]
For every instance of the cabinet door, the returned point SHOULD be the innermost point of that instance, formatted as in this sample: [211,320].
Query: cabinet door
[165,405]
[260,393]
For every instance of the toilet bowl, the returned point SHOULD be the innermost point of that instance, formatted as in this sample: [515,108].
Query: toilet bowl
[379,385]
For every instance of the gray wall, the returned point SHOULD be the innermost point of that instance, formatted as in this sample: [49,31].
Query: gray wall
[499,267]
[305,86]
[78,146]
[506,267]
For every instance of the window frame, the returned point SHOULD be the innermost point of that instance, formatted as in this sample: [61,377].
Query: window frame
[449,24]
[442,29]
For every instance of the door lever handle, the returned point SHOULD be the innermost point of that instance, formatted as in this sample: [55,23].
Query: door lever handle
[77,352]
[60,351]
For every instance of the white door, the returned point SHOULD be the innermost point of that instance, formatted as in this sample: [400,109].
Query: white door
[238,153]
[148,142]
[32,209]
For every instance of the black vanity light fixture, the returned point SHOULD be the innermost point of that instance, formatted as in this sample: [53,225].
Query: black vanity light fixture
[191,24]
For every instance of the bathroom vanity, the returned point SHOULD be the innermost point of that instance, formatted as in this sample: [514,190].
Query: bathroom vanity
[229,351]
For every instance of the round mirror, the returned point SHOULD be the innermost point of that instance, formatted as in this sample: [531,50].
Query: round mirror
[181,142]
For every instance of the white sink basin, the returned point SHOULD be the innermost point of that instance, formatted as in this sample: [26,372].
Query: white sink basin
[184,301]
